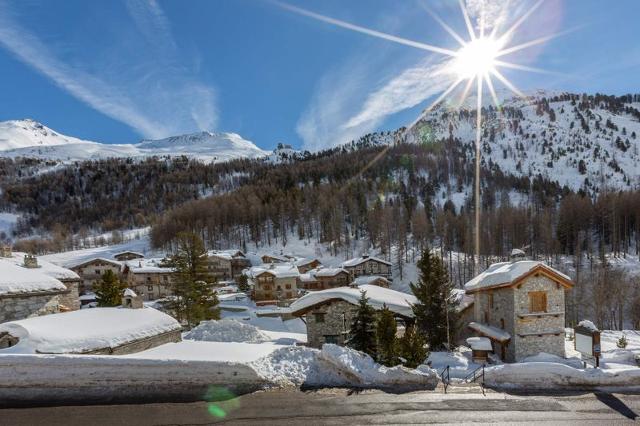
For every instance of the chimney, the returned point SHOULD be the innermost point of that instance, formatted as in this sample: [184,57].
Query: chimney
[30,261]
[5,251]
[517,255]
[131,300]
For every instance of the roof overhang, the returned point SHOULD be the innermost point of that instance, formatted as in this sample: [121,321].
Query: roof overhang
[535,271]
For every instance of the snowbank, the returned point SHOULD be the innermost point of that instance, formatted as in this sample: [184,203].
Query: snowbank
[227,330]
[60,379]
[552,375]
[337,366]
[192,350]
[86,330]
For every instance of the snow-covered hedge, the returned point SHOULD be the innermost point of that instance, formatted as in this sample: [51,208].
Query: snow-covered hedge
[551,375]
[227,330]
[337,366]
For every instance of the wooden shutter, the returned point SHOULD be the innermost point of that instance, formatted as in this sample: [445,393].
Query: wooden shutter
[538,301]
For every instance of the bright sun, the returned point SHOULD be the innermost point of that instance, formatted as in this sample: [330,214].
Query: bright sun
[477,58]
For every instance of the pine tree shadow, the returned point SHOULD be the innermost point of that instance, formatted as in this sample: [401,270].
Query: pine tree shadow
[616,404]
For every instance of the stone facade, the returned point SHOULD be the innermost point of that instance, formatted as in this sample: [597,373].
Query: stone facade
[329,323]
[508,308]
[91,272]
[151,285]
[268,286]
[370,267]
[70,300]
[20,306]
[340,279]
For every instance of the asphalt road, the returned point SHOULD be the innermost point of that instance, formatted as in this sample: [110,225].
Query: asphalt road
[342,407]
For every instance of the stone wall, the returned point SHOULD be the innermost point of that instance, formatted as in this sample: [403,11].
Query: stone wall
[140,345]
[501,315]
[17,307]
[338,316]
[70,299]
[535,333]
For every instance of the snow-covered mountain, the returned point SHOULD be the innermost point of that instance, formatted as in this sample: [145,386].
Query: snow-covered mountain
[584,142]
[28,138]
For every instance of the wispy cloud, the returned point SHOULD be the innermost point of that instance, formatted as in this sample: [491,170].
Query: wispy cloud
[156,96]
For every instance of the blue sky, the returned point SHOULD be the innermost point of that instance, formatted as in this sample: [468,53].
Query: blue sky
[119,71]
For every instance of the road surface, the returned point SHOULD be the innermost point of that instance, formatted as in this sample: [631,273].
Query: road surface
[341,407]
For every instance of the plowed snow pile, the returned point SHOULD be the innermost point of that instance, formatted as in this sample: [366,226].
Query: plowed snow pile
[338,366]
[227,330]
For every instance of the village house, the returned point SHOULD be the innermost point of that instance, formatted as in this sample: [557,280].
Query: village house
[127,255]
[276,258]
[274,283]
[372,280]
[329,314]
[91,271]
[520,307]
[331,277]
[149,279]
[307,264]
[68,301]
[123,330]
[27,292]
[368,265]
[227,265]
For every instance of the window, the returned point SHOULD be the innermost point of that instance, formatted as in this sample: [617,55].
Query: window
[150,287]
[319,317]
[288,286]
[165,278]
[97,271]
[538,301]
[491,300]
[331,338]
[502,323]
[289,295]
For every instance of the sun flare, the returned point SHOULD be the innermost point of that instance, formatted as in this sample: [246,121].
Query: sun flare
[477,58]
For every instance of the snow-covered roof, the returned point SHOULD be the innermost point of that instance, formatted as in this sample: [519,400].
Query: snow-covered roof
[16,279]
[358,260]
[589,325]
[47,268]
[307,278]
[306,261]
[280,257]
[462,299]
[328,272]
[135,253]
[129,293]
[227,254]
[84,261]
[489,331]
[279,271]
[479,343]
[148,266]
[368,279]
[504,273]
[87,330]
[396,301]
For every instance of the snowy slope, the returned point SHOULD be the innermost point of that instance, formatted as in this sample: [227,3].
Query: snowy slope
[583,148]
[27,138]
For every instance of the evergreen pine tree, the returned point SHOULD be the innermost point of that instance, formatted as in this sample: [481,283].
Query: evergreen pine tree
[243,283]
[386,343]
[435,312]
[622,342]
[195,298]
[412,348]
[109,290]
[362,336]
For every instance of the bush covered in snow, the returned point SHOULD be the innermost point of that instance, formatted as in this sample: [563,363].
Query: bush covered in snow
[337,366]
[226,330]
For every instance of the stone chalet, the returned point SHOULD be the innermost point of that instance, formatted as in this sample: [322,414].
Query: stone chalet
[128,255]
[368,265]
[324,278]
[91,270]
[274,282]
[27,291]
[227,264]
[330,313]
[520,307]
[149,279]
[307,264]
[101,331]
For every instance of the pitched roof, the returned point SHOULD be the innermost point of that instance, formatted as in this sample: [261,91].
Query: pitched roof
[396,301]
[508,273]
[368,279]
[47,268]
[16,279]
[306,261]
[494,333]
[148,266]
[328,272]
[75,263]
[280,271]
[358,260]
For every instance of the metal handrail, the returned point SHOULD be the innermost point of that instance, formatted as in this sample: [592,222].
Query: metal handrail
[446,382]
[474,376]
